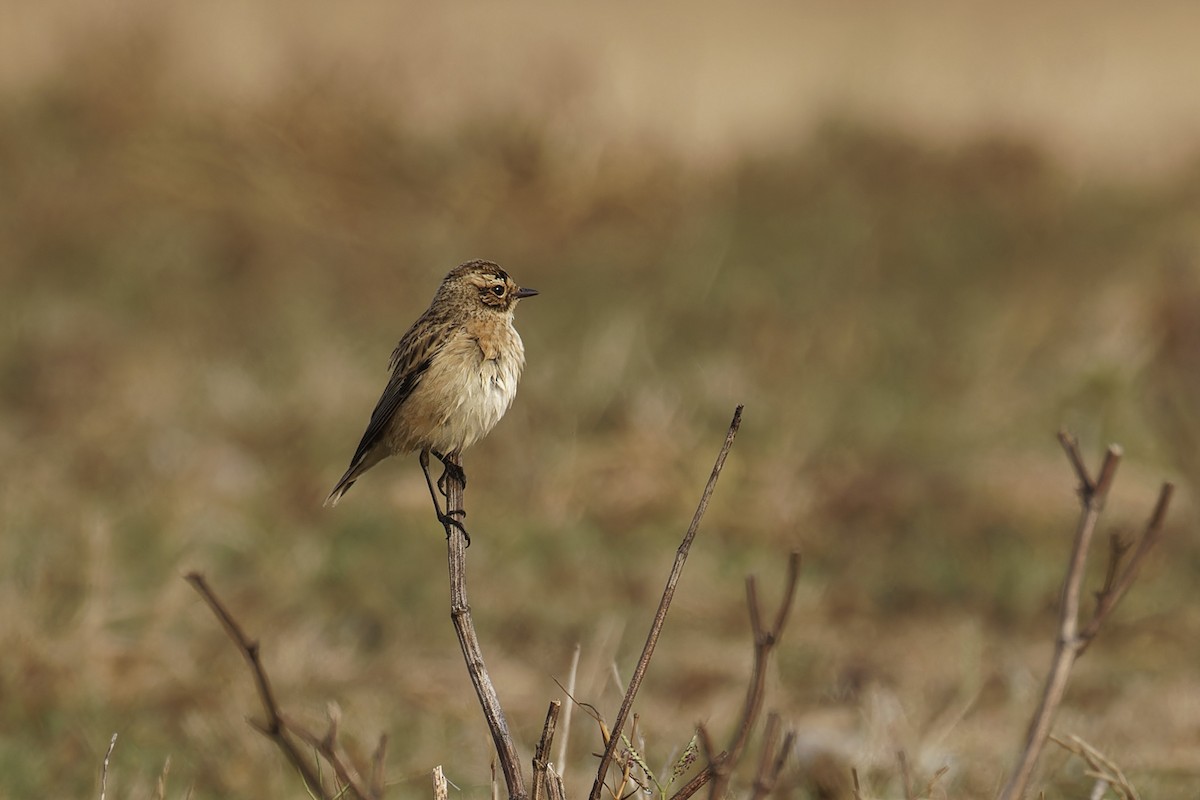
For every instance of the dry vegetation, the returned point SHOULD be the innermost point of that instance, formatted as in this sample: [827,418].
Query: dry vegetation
[201,298]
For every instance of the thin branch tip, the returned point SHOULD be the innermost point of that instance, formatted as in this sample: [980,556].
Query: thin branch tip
[1108,470]
[1160,507]
[1070,445]
[752,606]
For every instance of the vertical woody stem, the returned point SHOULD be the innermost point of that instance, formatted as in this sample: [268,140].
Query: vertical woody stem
[1068,645]
[460,615]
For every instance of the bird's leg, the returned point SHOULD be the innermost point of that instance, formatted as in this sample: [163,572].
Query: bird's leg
[452,468]
[447,519]
[424,459]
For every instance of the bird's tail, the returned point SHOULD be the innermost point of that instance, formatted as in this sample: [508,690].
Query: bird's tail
[343,486]
[362,462]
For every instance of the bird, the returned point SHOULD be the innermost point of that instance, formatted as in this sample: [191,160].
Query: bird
[454,375]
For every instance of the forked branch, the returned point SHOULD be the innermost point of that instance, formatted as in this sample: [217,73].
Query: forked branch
[1073,640]
[765,640]
[1119,580]
[284,732]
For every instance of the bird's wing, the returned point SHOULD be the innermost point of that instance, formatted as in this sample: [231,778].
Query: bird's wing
[409,361]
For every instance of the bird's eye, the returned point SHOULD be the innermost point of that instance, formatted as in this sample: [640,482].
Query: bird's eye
[498,291]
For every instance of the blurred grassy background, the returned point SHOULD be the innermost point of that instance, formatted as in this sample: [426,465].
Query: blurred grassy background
[911,247]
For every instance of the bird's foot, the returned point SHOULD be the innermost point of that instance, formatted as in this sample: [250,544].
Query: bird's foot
[448,520]
[452,469]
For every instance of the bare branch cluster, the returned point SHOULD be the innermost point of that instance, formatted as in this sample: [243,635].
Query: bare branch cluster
[306,751]
[1072,639]
[285,732]
[765,640]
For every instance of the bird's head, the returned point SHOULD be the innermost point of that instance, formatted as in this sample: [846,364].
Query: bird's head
[484,286]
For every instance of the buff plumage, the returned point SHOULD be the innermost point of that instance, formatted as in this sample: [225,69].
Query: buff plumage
[454,373]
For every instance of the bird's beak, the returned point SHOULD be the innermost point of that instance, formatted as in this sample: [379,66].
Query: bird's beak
[523,292]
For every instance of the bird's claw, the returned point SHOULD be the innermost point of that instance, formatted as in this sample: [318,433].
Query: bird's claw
[448,520]
[451,469]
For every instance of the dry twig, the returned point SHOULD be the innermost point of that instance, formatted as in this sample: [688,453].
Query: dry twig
[1120,580]
[554,785]
[697,783]
[660,616]
[283,731]
[460,614]
[327,747]
[275,728]
[1073,640]
[541,754]
[765,640]
[770,762]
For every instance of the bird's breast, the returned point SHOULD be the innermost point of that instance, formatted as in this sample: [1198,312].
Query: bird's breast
[469,387]
[497,380]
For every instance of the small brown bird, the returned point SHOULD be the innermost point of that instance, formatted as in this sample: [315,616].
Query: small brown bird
[454,374]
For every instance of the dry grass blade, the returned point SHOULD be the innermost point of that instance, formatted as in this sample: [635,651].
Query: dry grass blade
[440,792]
[664,604]
[112,743]
[1102,769]
[572,673]
[160,788]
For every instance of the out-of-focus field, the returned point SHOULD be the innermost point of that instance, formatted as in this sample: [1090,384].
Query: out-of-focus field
[912,259]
